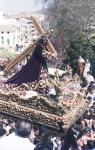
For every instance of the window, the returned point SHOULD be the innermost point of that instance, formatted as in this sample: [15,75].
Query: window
[25,37]
[2,32]
[2,40]
[8,32]
[8,41]
[29,22]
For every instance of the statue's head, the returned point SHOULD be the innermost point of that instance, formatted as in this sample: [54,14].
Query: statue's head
[42,41]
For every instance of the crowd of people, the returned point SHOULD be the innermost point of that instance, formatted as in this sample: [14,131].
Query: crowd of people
[17,134]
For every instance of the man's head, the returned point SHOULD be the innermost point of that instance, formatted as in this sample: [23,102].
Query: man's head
[83,123]
[23,128]
[2,131]
[89,73]
[87,131]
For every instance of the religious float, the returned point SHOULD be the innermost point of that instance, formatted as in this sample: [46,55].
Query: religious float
[52,111]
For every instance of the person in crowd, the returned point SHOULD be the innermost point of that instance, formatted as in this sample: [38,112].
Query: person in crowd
[81,64]
[10,127]
[82,124]
[71,137]
[44,144]
[19,139]
[91,94]
[86,68]
[2,132]
[88,139]
[57,143]
[89,77]
[93,126]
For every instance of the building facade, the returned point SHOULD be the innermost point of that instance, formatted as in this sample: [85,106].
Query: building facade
[16,33]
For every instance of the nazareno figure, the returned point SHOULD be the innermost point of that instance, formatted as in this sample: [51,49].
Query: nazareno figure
[31,71]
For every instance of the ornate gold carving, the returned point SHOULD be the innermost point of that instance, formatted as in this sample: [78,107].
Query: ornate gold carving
[40,111]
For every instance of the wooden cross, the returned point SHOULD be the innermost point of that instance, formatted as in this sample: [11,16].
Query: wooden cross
[30,47]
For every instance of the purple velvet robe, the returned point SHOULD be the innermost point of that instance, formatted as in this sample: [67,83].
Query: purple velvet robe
[31,71]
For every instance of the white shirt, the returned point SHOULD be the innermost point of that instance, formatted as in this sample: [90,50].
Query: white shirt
[14,142]
[86,69]
[89,78]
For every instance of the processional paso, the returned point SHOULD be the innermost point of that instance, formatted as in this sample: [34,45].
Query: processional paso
[48,113]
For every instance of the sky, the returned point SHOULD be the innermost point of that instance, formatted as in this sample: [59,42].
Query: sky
[19,5]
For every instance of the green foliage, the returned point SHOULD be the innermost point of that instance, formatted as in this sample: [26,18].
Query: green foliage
[70,17]
[80,46]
